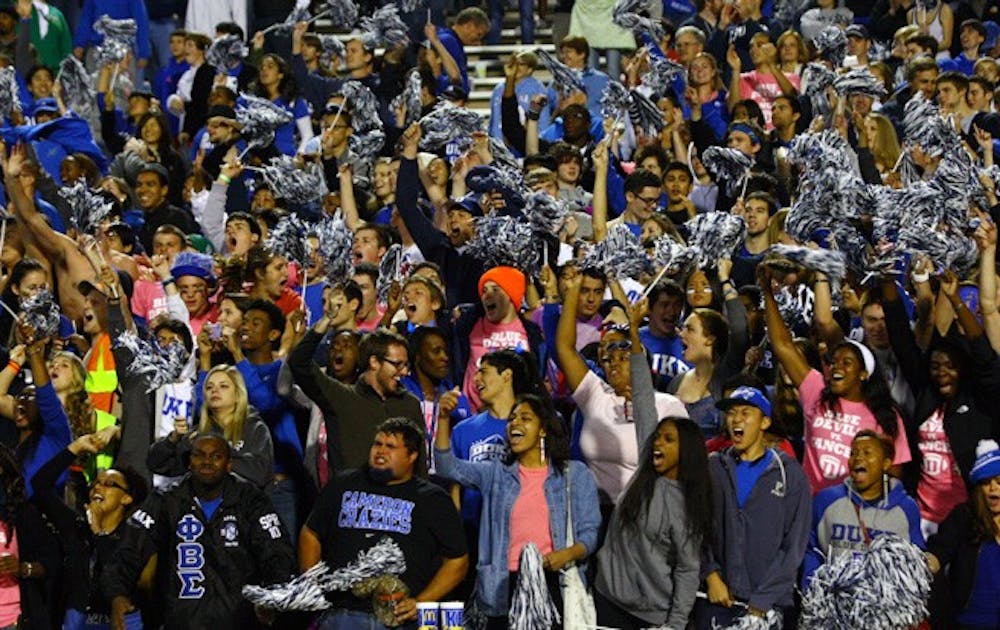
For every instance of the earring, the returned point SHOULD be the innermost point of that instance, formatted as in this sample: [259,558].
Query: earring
[885,486]
[543,448]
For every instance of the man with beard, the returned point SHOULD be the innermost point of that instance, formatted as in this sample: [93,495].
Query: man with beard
[386,497]
[494,323]
[212,533]
[757,210]
[351,412]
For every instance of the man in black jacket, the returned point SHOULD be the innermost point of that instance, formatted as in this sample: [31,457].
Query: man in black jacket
[152,190]
[212,533]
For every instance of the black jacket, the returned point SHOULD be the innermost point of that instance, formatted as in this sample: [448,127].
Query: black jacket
[956,548]
[203,563]
[966,420]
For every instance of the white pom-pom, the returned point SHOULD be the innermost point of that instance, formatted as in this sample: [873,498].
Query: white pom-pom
[986,446]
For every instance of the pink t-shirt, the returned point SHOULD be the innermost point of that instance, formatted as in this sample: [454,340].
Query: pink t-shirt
[529,518]
[941,486]
[10,591]
[828,434]
[608,435]
[487,337]
[148,299]
[762,88]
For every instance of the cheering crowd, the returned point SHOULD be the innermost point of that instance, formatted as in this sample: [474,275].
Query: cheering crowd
[699,328]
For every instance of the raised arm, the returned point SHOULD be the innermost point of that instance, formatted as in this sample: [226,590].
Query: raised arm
[827,328]
[780,337]
[986,239]
[643,393]
[599,203]
[570,361]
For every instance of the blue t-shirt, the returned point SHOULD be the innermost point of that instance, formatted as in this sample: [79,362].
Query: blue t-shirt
[481,438]
[666,353]
[284,136]
[314,299]
[209,506]
[747,474]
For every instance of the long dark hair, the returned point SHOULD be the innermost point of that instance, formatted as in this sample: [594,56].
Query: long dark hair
[556,440]
[874,391]
[12,484]
[288,89]
[692,473]
[984,526]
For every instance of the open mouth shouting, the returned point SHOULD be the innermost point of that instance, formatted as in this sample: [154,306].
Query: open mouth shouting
[515,437]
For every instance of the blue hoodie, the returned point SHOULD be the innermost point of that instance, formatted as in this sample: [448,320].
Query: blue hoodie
[837,512]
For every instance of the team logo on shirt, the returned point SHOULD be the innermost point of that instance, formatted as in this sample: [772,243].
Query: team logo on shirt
[361,510]
[190,557]
[230,532]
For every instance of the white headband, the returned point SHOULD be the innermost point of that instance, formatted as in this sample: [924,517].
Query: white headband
[866,355]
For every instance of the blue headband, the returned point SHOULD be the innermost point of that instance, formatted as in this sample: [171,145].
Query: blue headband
[747,129]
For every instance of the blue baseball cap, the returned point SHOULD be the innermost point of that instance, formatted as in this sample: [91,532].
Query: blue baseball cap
[746,396]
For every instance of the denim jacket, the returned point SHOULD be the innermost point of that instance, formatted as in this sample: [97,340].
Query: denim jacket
[501,486]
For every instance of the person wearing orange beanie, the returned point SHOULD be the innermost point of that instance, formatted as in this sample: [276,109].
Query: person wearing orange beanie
[511,280]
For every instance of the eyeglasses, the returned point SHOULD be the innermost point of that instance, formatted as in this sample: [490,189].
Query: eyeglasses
[624,344]
[107,483]
[649,201]
[399,364]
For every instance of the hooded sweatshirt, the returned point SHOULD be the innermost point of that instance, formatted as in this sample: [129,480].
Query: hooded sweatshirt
[837,516]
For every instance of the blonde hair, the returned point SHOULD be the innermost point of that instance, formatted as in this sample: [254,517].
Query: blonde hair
[78,407]
[885,148]
[233,431]
[800,43]
[717,81]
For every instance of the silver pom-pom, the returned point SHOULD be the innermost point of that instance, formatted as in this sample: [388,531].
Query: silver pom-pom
[287,239]
[384,558]
[832,45]
[831,264]
[545,213]
[297,184]
[162,365]
[412,6]
[715,235]
[446,123]
[299,13]
[729,166]
[531,607]
[302,594]
[626,14]
[662,73]
[226,53]
[859,81]
[817,77]
[947,247]
[384,28]
[618,256]
[343,13]
[41,313]
[119,39]
[89,208]
[676,257]
[615,100]
[505,241]
[645,114]
[364,106]
[487,178]
[390,269]
[77,85]
[10,101]
[924,126]
[410,99]
[885,588]
[259,119]
[335,244]
[566,80]
[367,145]
[330,48]
[772,620]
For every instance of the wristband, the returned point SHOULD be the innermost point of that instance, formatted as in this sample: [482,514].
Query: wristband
[224,179]
[533,115]
[821,281]
[167,281]
[920,278]
[14,365]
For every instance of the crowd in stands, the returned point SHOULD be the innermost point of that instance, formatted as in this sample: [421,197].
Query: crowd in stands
[706,306]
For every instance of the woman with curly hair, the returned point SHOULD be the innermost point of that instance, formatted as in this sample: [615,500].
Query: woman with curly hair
[277,84]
